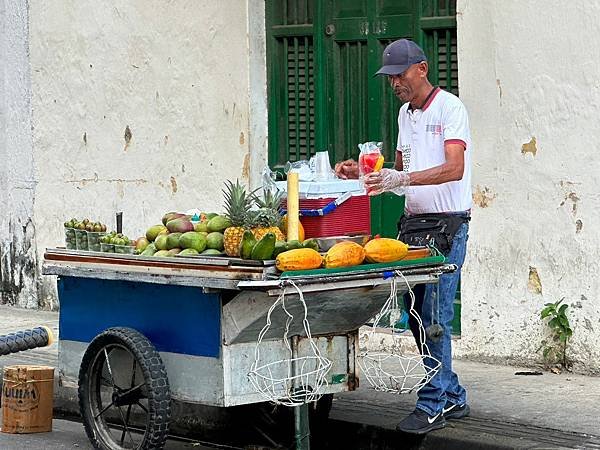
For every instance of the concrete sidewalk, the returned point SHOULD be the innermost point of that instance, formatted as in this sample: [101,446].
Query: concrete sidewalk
[507,410]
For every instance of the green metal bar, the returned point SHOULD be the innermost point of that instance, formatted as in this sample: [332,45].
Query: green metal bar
[301,423]
[307,94]
[285,12]
[436,56]
[437,23]
[320,79]
[291,30]
[448,61]
[362,107]
[296,13]
[436,11]
[347,97]
[297,98]
[286,105]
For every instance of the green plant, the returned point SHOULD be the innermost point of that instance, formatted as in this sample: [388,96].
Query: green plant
[556,318]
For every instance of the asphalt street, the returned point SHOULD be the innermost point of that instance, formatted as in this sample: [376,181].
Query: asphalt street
[71,435]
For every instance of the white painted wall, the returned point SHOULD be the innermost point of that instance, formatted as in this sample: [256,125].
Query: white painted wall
[531,70]
[18,278]
[176,73]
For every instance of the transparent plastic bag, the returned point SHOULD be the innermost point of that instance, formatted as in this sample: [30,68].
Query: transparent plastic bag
[370,158]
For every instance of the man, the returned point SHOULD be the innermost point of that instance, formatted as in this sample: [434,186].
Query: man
[433,169]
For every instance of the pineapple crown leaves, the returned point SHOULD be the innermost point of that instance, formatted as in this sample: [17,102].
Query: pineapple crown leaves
[237,203]
[269,208]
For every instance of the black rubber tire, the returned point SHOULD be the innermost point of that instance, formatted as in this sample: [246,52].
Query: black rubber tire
[157,392]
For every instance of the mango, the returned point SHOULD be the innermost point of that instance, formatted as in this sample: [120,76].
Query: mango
[181,225]
[218,223]
[141,244]
[192,240]
[201,226]
[162,253]
[211,252]
[172,216]
[173,240]
[173,252]
[189,252]
[154,231]
[150,250]
[214,241]
[161,242]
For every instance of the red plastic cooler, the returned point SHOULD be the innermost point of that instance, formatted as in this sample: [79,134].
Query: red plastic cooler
[351,217]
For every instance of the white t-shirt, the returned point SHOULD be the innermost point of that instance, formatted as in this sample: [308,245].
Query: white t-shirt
[421,139]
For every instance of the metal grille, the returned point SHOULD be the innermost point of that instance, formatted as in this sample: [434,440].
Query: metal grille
[300,97]
[447,59]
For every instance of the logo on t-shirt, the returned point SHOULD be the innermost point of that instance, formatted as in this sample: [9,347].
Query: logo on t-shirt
[435,129]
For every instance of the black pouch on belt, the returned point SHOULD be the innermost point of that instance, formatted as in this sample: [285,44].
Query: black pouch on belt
[436,230]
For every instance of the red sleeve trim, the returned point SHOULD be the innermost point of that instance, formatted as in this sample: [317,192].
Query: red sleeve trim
[456,141]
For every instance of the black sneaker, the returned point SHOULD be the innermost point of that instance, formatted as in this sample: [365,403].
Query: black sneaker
[419,422]
[454,411]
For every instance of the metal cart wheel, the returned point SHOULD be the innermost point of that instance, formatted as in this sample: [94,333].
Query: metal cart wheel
[124,395]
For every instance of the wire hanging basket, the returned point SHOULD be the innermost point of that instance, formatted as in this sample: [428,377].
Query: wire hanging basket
[295,380]
[395,370]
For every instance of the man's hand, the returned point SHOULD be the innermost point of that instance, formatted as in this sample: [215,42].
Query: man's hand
[347,169]
[386,180]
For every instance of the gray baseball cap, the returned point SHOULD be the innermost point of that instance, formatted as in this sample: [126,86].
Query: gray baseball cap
[399,56]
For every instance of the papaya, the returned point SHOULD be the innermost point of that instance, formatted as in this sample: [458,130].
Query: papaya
[298,259]
[384,250]
[264,248]
[247,244]
[344,254]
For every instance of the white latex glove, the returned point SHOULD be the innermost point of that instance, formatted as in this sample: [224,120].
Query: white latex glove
[386,180]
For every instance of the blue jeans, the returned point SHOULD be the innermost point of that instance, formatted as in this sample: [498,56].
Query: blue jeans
[444,386]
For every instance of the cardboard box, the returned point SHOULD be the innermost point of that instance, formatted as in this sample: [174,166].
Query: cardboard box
[27,397]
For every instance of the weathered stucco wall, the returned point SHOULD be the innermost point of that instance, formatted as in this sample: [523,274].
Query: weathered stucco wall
[140,106]
[528,73]
[18,269]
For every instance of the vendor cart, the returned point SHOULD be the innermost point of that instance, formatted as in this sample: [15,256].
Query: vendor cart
[136,332]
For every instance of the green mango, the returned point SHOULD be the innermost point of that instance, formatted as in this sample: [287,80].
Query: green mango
[247,244]
[311,243]
[280,247]
[218,223]
[264,248]
[192,240]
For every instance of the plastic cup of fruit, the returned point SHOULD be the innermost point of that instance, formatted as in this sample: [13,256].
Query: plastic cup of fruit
[369,163]
[70,241]
[94,240]
[81,239]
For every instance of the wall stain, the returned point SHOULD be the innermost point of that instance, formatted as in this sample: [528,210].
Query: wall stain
[578,226]
[499,88]
[246,167]
[85,138]
[127,137]
[483,197]
[572,196]
[534,285]
[120,190]
[530,147]
[18,265]
[173,185]
[242,140]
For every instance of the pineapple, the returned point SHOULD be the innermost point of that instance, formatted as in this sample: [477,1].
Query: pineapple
[237,205]
[267,218]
